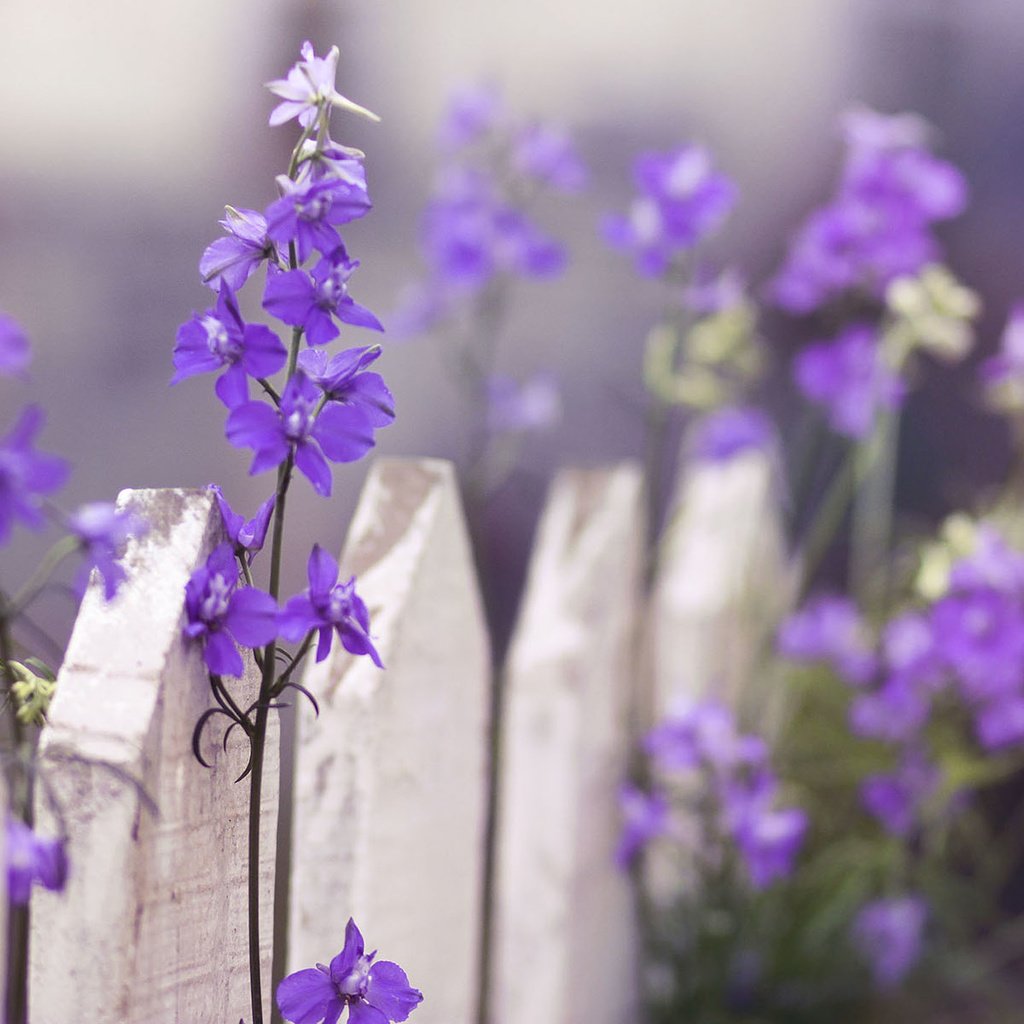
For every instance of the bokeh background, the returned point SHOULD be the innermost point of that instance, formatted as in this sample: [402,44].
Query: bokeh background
[125,127]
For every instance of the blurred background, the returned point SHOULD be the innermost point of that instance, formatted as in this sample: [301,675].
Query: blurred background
[125,127]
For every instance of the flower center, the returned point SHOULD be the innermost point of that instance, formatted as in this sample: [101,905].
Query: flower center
[215,604]
[219,342]
[299,421]
[354,983]
[340,604]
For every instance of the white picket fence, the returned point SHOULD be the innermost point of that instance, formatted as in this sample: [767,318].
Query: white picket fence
[391,782]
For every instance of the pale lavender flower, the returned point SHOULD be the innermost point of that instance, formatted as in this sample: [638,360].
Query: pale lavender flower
[645,816]
[374,993]
[888,934]
[471,114]
[32,858]
[829,628]
[999,723]
[329,607]
[693,734]
[25,474]
[102,530]
[15,354]
[849,378]
[533,405]
[894,713]
[910,649]
[726,433]
[546,153]
[222,615]
[991,563]
[769,841]
[310,85]
[681,200]
[233,259]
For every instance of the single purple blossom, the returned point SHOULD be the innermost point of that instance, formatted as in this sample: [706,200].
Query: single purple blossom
[547,154]
[894,799]
[829,628]
[26,475]
[223,615]
[513,407]
[910,649]
[234,258]
[702,732]
[342,433]
[769,841]
[321,158]
[345,378]
[15,354]
[999,723]
[308,212]
[220,340]
[681,200]
[894,713]
[645,816]
[329,607]
[888,934]
[312,301]
[471,114]
[849,378]
[102,530]
[310,86]
[374,993]
[726,433]
[247,536]
[32,858]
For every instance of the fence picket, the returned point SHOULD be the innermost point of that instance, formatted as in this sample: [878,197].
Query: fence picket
[564,933]
[152,925]
[390,782]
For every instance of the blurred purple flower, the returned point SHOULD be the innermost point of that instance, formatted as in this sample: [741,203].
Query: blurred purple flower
[645,816]
[233,259]
[26,475]
[471,114]
[910,650]
[723,434]
[15,353]
[220,340]
[991,563]
[999,723]
[888,934]
[32,858]
[769,841]
[829,628]
[375,993]
[894,713]
[247,536]
[312,301]
[533,405]
[342,433]
[701,732]
[330,607]
[547,154]
[344,378]
[894,799]
[711,293]
[222,615]
[102,530]
[681,200]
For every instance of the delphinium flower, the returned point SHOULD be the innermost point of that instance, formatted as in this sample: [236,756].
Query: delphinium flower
[15,354]
[374,991]
[645,816]
[681,200]
[830,629]
[222,614]
[26,475]
[850,379]
[895,798]
[347,379]
[329,607]
[888,934]
[247,535]
[729,432]
[513,407]
[232,260]
[32,858]
[878,226]
[102,531]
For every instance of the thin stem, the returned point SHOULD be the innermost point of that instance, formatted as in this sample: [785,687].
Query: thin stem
[255,796]
[36,583]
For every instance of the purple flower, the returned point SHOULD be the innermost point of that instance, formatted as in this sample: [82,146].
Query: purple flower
[910,650]
[829,628]
[645,816]
[344,378]
[723,434]
[223,615]
[1000,723]
[769,841]
[694,734]
[308,87]
[682,199]
[220,340]
[894,799]
[888,935]
[374,993]
[894,713]
[32,858]
[246,536]
[547,154]
[308,212]
[233,259]
[991,563]
[711,293]
[471,114]
[323,158]
[15,354]
[342,433]
[330,607]
[1003,373]
[848,376]
[102,530]
[26,475]
[535,404]
[312,301]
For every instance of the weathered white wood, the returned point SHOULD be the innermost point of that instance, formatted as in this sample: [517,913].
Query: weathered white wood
[152,925]
[564,932]
[722,583]
[390,782]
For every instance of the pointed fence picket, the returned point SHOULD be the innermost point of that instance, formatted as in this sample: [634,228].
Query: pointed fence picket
[391,782]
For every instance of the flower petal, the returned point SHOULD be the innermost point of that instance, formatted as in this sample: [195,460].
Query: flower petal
[389,991]
[307,997]
[252,617]
[221,655]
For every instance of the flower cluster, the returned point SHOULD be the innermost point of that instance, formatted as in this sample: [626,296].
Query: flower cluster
[878,226]
[734,803]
